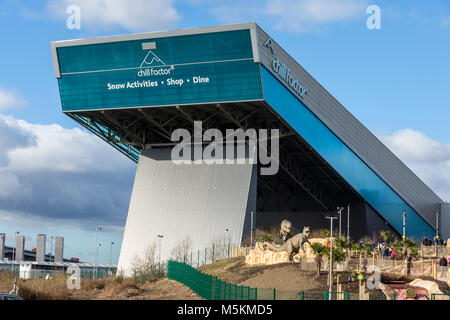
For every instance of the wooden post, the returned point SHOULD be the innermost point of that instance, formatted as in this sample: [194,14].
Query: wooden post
[360,262]
[373,258]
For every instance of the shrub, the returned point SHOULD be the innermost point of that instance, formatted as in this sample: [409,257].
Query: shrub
[267,237]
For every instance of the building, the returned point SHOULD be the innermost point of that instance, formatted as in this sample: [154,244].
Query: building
[134,92]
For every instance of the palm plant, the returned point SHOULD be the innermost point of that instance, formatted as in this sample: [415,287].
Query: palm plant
[367,247]
[325,233]
[319,250]
[385,235]
[267,237]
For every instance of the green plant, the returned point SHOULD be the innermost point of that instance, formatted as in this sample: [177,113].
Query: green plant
[325,233]
[342,243]
[409,243]
[338,254]
[319,249]
[267,237]
[367,247]
[385,235]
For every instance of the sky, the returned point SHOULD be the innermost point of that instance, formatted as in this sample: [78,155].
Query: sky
[58,179]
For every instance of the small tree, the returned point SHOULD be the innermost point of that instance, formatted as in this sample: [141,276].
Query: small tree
[325,233]
[342,242]
[143,267]
[267,237]
[385,235]
[319,251]
[368,247]
[338,254]
[182,249]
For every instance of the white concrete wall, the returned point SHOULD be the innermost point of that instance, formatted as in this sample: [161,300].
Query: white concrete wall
[195,200]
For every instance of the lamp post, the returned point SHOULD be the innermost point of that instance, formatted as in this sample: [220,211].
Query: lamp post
[160,236]
[227,232]
[437,224]
[110,254]
[348,223]
[404,224]
[339,210]
[96,260]
[97,229]
[252,212]
[331,217]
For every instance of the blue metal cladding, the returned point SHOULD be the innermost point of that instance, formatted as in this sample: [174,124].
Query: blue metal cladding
[369,185]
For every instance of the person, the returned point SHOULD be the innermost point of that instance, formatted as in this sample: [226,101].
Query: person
[393,254]
[443,263]
[318,260]
[408,261]
[383,252]
[425,241]
[364,263]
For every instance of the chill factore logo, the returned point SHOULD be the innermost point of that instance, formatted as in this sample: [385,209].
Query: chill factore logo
[153,66]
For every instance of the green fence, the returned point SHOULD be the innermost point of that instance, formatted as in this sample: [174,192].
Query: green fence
[433,295]
[207,286]
[212,288]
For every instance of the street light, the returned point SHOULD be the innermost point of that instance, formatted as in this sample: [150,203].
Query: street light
[404,224]
[110,253]
[339,210]
[348,223]
[229,241]
[97,229]
[252,212]
[331,217]
[160,236]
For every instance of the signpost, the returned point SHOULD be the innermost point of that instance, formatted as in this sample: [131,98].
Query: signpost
[331,217]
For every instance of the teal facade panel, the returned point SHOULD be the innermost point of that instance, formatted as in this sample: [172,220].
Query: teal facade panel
[200,68]
[368,184]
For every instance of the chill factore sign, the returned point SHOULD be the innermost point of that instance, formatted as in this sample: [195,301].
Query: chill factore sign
[153,66]
[285,73]
[190,69]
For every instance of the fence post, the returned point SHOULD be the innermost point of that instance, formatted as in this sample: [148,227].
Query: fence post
[213,253]
[274,294]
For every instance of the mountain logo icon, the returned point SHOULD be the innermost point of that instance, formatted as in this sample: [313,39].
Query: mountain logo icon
[151,59]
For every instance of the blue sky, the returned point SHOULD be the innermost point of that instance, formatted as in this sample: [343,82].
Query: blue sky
[394,80]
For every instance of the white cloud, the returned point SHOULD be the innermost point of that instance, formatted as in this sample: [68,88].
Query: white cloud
[297,16]
[429,159]
[51,172]
[10,99]
[445,22]
[136,15]
[304,15]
